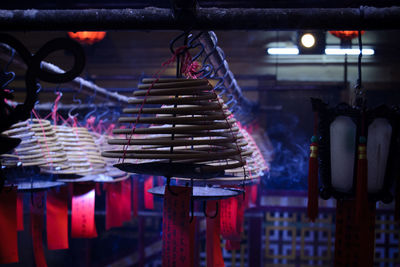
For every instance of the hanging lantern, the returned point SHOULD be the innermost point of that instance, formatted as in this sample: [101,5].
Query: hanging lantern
[357,152]
[345,37]
[87,37]
[341,135]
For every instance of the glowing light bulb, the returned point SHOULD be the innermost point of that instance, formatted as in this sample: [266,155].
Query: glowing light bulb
[308,40]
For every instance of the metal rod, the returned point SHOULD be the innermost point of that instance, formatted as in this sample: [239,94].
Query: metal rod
[152,18]
[77,82]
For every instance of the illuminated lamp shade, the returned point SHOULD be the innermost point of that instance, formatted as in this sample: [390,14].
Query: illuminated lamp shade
[87,37]
[379,136]
[343,147]
[345,37]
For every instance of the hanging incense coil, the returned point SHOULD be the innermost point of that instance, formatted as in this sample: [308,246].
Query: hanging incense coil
[259,160]
[82,153]
[110,171]
[39,145]
[180,130]
[248,173]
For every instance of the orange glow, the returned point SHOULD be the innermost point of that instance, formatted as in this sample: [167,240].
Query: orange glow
[88,38]
[346,35]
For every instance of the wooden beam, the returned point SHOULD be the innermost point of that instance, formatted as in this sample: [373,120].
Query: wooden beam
[152,18]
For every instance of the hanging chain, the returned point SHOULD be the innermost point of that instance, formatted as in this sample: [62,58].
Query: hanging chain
[359,92]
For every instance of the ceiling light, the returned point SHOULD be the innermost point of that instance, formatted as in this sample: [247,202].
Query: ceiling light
[283,51]
[311,42]
[349,51]
[307,40]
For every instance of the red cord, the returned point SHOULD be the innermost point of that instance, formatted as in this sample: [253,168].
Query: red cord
[44,135]
[157,77]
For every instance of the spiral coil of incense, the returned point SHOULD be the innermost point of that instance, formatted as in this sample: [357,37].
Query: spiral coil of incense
[181,130]
[39,145]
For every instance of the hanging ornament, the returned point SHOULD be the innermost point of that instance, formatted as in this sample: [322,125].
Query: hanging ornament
[87,37]
[357,164]
[346,37]
[194,140]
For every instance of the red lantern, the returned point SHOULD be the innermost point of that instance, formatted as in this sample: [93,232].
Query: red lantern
[88,38]
[345,37]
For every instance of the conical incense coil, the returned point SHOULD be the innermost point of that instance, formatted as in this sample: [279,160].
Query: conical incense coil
[76,154]
[102,142]
[257,155]
[91,149]
[39,145]
[247,173]
[181,124]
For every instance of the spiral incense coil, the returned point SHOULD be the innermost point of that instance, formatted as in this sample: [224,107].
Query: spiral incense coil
[39,146]
[259,160]
[75,153]
[91,149]
[181,125]
[101,141]
[52,149]
[247,173]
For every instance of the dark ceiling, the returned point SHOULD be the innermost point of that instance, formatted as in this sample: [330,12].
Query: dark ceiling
[71,4]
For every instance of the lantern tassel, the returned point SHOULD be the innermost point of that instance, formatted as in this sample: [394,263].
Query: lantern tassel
[362,176]
[312,205]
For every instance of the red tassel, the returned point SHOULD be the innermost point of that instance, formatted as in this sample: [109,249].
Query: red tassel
[232,245]
[176,235]
[362,186]
[312,205]
[37,221]
[135,197]
[57,218]
[213,242]
[113,205]
[20,212]
[126,200]
[8,226]
[148,197]
[82,211]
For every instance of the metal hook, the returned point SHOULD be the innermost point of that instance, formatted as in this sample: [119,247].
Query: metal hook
[169,187]
[205,210]
[75,100]
[7,80]
[207,71]
[11,59]
[171,44]
[197,36]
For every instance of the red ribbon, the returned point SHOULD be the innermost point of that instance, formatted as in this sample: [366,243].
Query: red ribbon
[20,212]
[232,217]
[126,200]
[113,205]
[135,197]
[176,237]
[362,183]
[213,241]
[82,217]
[8,226]
[232,245]
[148,198]
[254,192]
[57,218]
[37,217]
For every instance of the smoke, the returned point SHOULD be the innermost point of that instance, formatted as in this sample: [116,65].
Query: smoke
[290,141]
